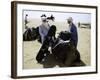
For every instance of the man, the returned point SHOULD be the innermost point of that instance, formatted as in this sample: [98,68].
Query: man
[43,31]
[43,28]
[26,21]
[73,31]
[47,34]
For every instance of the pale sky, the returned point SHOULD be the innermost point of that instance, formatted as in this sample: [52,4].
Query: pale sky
[60,16]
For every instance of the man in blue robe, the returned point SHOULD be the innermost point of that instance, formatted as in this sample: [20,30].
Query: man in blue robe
[73,31]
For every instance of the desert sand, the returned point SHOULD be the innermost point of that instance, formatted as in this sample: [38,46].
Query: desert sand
[31,48]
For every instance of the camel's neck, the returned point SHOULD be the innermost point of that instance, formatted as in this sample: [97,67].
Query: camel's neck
[59,41]
[55,42]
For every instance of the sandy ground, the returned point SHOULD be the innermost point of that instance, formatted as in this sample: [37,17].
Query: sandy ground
[31,48]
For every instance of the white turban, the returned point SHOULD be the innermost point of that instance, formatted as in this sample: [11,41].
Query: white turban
[70,19]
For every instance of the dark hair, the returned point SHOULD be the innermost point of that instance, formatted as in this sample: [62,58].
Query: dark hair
[26,14]
[43,15]
[51,18]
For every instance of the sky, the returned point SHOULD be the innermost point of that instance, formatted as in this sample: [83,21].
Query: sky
[60,16]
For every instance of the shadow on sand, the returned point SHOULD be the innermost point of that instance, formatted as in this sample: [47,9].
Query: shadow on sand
[51,62]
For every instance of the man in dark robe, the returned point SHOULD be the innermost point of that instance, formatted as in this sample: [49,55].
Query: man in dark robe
[73,31]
